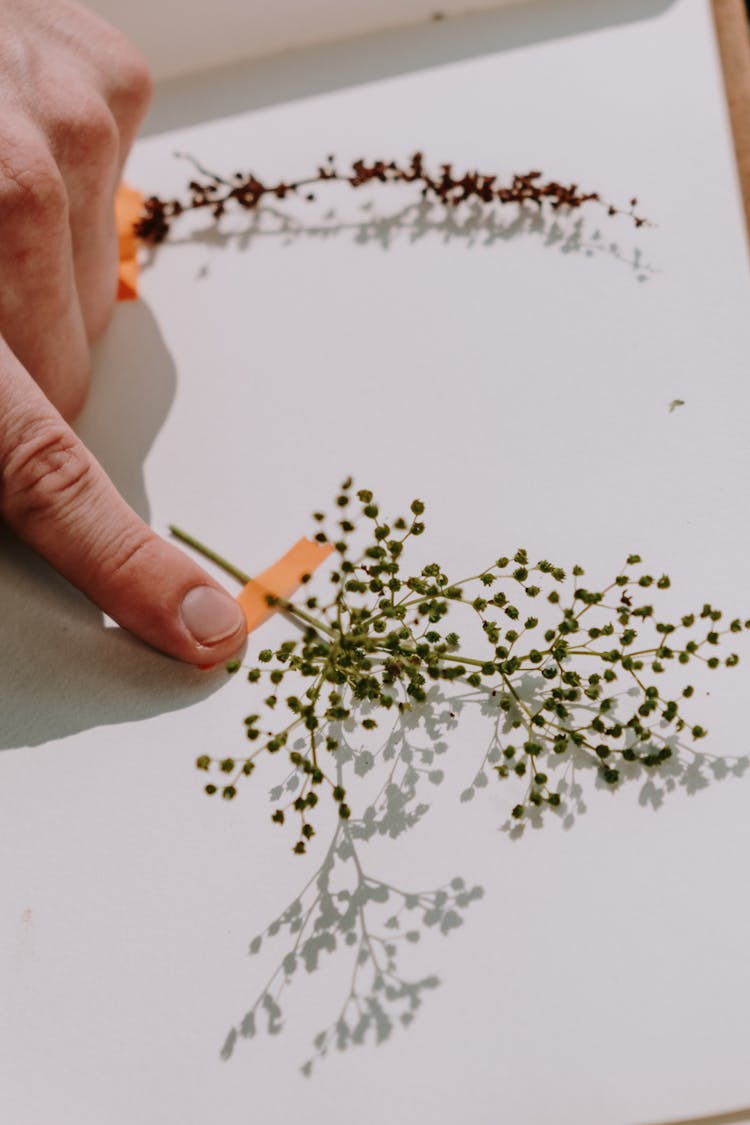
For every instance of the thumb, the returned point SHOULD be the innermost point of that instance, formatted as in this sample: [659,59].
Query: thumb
[59,500]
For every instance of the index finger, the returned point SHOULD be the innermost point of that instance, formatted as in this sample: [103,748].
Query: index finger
[59,500]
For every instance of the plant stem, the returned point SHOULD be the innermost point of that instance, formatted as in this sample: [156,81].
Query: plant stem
[202,549]
[314,622]
[282,604]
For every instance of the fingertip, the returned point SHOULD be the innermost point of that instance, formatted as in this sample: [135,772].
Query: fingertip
[210,615]
[215,624]
[163,597]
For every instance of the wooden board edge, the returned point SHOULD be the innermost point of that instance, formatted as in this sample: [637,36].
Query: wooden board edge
[733,35]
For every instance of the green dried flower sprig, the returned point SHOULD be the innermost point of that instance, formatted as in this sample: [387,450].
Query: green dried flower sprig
[573,672]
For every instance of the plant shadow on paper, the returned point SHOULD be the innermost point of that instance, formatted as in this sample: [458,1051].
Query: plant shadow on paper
[471,224]
[61,670]
[344,910]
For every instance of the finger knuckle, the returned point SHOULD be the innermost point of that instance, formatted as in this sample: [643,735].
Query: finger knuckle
[123,554]
[31,186]
[85,129]
[47,474]
[132,79]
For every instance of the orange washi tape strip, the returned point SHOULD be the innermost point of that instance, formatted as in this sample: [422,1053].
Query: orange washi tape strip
[281,580]
[128,209]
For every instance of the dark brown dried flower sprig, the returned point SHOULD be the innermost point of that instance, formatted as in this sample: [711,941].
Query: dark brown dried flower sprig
[574,674]
[246,191]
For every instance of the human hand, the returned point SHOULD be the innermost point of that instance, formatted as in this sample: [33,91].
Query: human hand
[73,93]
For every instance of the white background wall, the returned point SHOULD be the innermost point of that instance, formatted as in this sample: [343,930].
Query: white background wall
[177,37]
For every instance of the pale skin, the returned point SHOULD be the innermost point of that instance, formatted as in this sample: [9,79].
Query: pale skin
[73,93]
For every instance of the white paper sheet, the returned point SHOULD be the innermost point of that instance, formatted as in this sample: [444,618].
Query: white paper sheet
[516,375]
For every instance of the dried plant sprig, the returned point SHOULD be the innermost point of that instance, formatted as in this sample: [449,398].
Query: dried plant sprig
[246,191]
[578,673]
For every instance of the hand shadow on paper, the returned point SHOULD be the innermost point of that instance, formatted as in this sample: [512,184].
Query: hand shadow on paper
[61,670]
